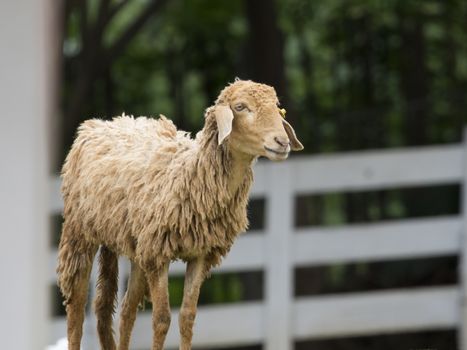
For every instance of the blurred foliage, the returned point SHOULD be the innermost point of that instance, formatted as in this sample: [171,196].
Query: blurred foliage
[359,74]
[220,288]
[335,209]
[379,275]
[427,339]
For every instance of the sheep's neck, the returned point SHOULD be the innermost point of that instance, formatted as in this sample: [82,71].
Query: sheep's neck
[240,164]
[233,168]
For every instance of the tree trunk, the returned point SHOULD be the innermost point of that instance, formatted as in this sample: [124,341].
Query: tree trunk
[265,49]
[414,79]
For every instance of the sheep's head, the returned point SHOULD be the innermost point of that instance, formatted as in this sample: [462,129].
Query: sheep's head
[249,119]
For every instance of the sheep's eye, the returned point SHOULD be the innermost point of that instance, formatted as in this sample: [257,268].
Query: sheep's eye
[240,107]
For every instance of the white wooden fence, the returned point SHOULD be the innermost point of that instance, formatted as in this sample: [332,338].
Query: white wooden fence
[280,319]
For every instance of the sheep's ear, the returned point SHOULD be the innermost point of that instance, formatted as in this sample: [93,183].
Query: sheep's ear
[295,145]
[224,118]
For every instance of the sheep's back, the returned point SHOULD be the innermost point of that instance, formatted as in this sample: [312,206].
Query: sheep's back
[105,175]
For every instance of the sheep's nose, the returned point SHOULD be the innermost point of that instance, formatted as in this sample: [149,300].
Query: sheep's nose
[283,141]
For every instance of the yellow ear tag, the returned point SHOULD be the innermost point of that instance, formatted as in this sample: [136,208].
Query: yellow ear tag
[282,111]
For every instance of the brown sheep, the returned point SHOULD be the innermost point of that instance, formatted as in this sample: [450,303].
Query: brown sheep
[142,189]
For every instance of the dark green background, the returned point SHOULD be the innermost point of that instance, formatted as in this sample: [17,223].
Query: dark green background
[352,74]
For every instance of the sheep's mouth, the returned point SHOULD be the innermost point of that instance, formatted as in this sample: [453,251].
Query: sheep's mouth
[279,153]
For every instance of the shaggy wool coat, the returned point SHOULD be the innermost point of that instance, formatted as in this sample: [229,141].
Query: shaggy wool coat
[148,192]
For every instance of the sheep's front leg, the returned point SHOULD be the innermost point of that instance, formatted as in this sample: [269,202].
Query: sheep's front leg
[195,274]
[158,286]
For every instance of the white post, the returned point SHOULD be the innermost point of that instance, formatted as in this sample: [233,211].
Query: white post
[279,271]
[463,257]
[24,175]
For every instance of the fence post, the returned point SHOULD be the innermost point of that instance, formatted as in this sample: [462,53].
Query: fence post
[463,257]
[25,87]
[278,286]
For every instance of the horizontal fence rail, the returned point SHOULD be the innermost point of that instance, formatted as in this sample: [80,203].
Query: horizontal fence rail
[377,170]
[377,312]
[391,240]
[281,318]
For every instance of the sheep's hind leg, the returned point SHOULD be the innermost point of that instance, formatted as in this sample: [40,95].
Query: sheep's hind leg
[75,308]
[133,296]
[104,305]
[195,274]
[158,286]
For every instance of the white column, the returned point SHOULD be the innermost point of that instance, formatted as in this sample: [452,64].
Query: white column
[463,255]
[279,272]
[24,170]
